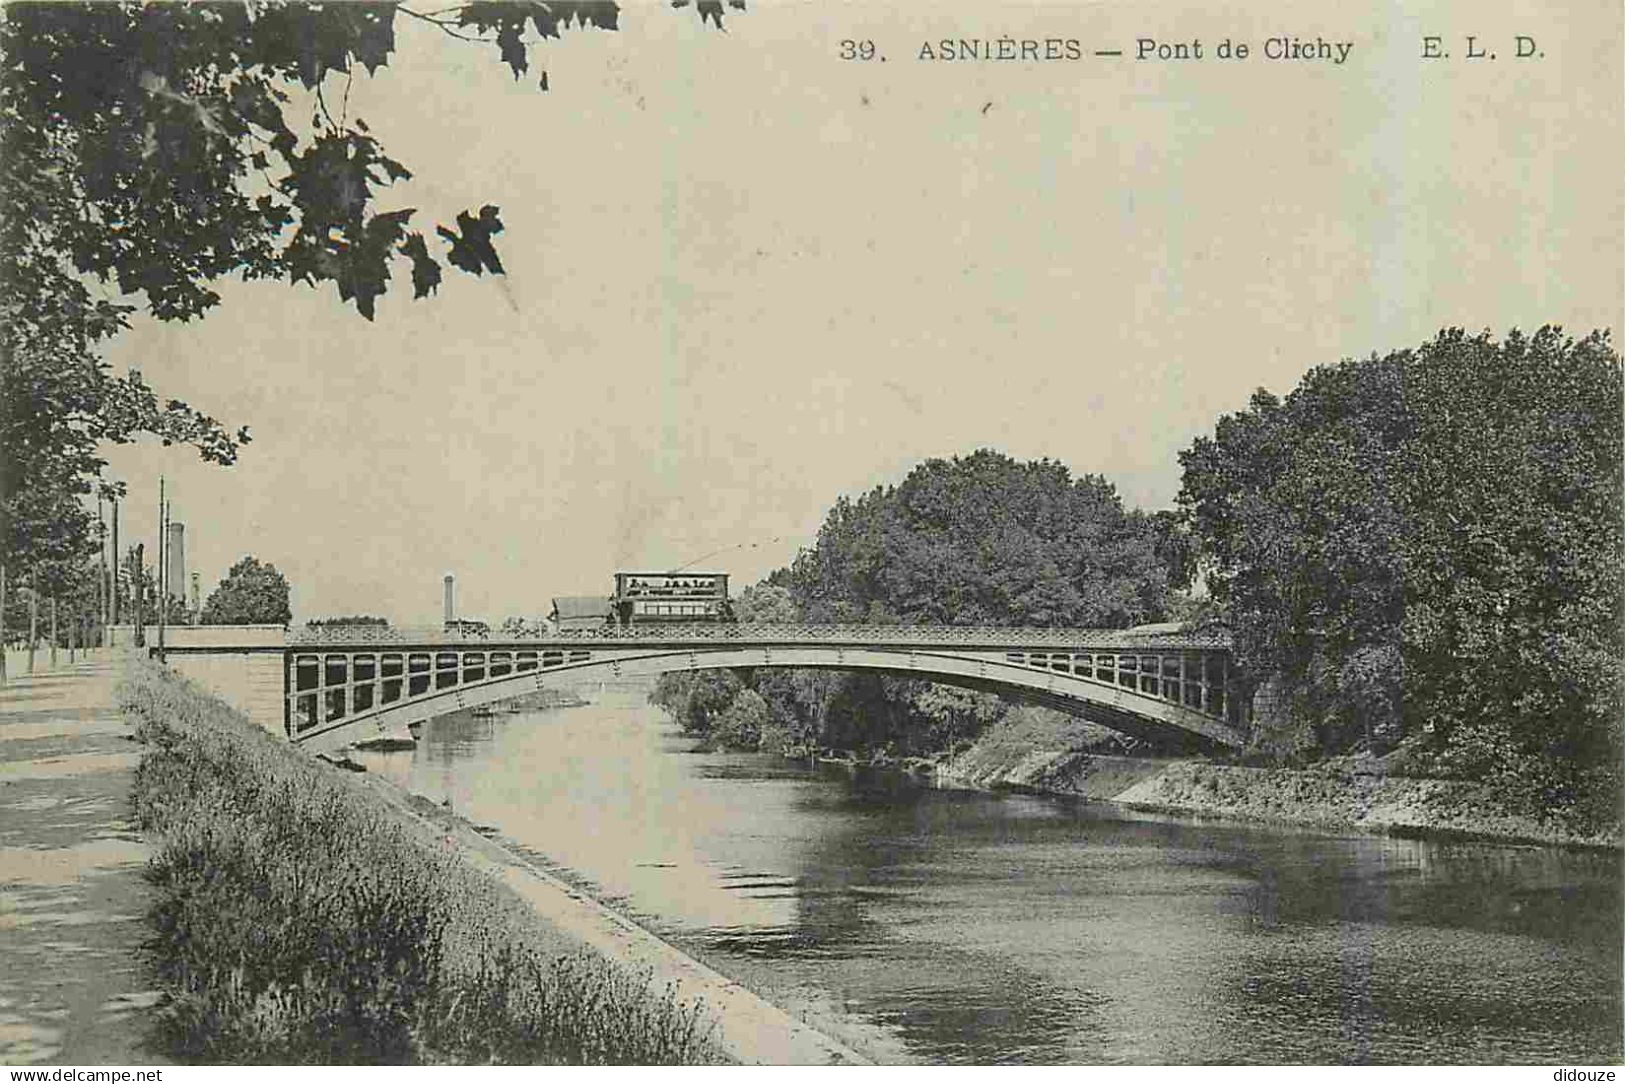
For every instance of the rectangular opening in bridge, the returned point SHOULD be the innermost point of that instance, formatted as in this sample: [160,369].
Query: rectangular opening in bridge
[1193,681]
[1106,668]
[501,663]
[304,713]
[392,666]
[307,672]
[366,667]
[527,661]
[580,656]
[445,670]
[1170,678]
[1148,674]
[552,658]
[474,666]
[418,682]
[1126,667]
[337,667]
[361,698]
[1060,662]
[1083,665]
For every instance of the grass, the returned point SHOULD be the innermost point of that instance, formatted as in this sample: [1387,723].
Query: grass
[300,919]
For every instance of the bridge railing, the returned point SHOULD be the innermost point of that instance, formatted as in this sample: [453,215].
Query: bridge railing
[967,635]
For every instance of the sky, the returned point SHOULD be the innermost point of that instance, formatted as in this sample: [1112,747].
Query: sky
[746,277]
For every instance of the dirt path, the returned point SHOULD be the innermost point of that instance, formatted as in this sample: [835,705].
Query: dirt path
[71,894]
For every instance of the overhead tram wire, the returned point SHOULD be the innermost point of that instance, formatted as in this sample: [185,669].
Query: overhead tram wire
[726,549]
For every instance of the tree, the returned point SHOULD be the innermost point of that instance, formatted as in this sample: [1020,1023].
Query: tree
[1426,547]
[253,593]
[766,604]
[153,148]
[985,540]
[354,621]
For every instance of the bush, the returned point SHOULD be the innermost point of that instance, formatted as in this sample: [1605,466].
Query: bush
[299,919]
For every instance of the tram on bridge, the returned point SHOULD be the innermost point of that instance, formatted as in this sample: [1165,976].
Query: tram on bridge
[670,598]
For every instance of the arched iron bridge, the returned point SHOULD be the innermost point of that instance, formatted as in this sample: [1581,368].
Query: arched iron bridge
[343,685]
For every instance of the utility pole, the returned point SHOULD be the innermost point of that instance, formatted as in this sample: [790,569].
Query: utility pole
[163,564]
[33,615]
[53,632]
[101,574]
[116,560]
[137,591]
[2,624]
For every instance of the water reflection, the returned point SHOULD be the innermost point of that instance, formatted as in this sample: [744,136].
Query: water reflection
[963,927]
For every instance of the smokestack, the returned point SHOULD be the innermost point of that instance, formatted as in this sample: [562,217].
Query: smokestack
[175,561]
[451,610]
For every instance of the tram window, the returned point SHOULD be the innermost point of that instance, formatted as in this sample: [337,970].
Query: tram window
[501,663]
[337,665]
[474,666]
[335,704]
[392,690]
[361,698]
[527,660]
[307,672]
[445,665]
[553,658]
[366,667]
[391,665]
[304,716]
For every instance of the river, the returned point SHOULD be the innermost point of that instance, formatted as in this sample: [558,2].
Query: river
[926,925]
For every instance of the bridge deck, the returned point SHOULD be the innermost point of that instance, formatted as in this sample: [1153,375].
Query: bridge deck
[787,634]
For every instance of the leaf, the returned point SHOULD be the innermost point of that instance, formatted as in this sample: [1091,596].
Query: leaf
[710,10]
[425,269]
[512,45]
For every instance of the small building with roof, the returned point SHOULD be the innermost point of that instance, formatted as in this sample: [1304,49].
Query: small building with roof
[573,613]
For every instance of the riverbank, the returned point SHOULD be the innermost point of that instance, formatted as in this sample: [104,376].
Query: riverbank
[1045,753]
[307,915]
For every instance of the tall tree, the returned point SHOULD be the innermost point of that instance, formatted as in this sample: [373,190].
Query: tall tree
[253,593]
[985,540]
[1426,546]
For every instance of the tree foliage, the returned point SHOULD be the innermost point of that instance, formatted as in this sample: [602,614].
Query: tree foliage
[984,540]
[1426,547]
[253,593]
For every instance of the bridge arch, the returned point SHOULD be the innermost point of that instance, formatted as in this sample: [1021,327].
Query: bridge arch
[338,695]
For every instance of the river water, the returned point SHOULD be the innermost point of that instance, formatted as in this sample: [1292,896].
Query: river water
[925,925]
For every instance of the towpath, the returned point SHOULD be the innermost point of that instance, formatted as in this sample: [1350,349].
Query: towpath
[71,893]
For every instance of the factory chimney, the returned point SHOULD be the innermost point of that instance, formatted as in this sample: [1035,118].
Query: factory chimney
[451,610]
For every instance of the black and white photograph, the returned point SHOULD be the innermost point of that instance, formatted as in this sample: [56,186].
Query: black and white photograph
[762,532]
